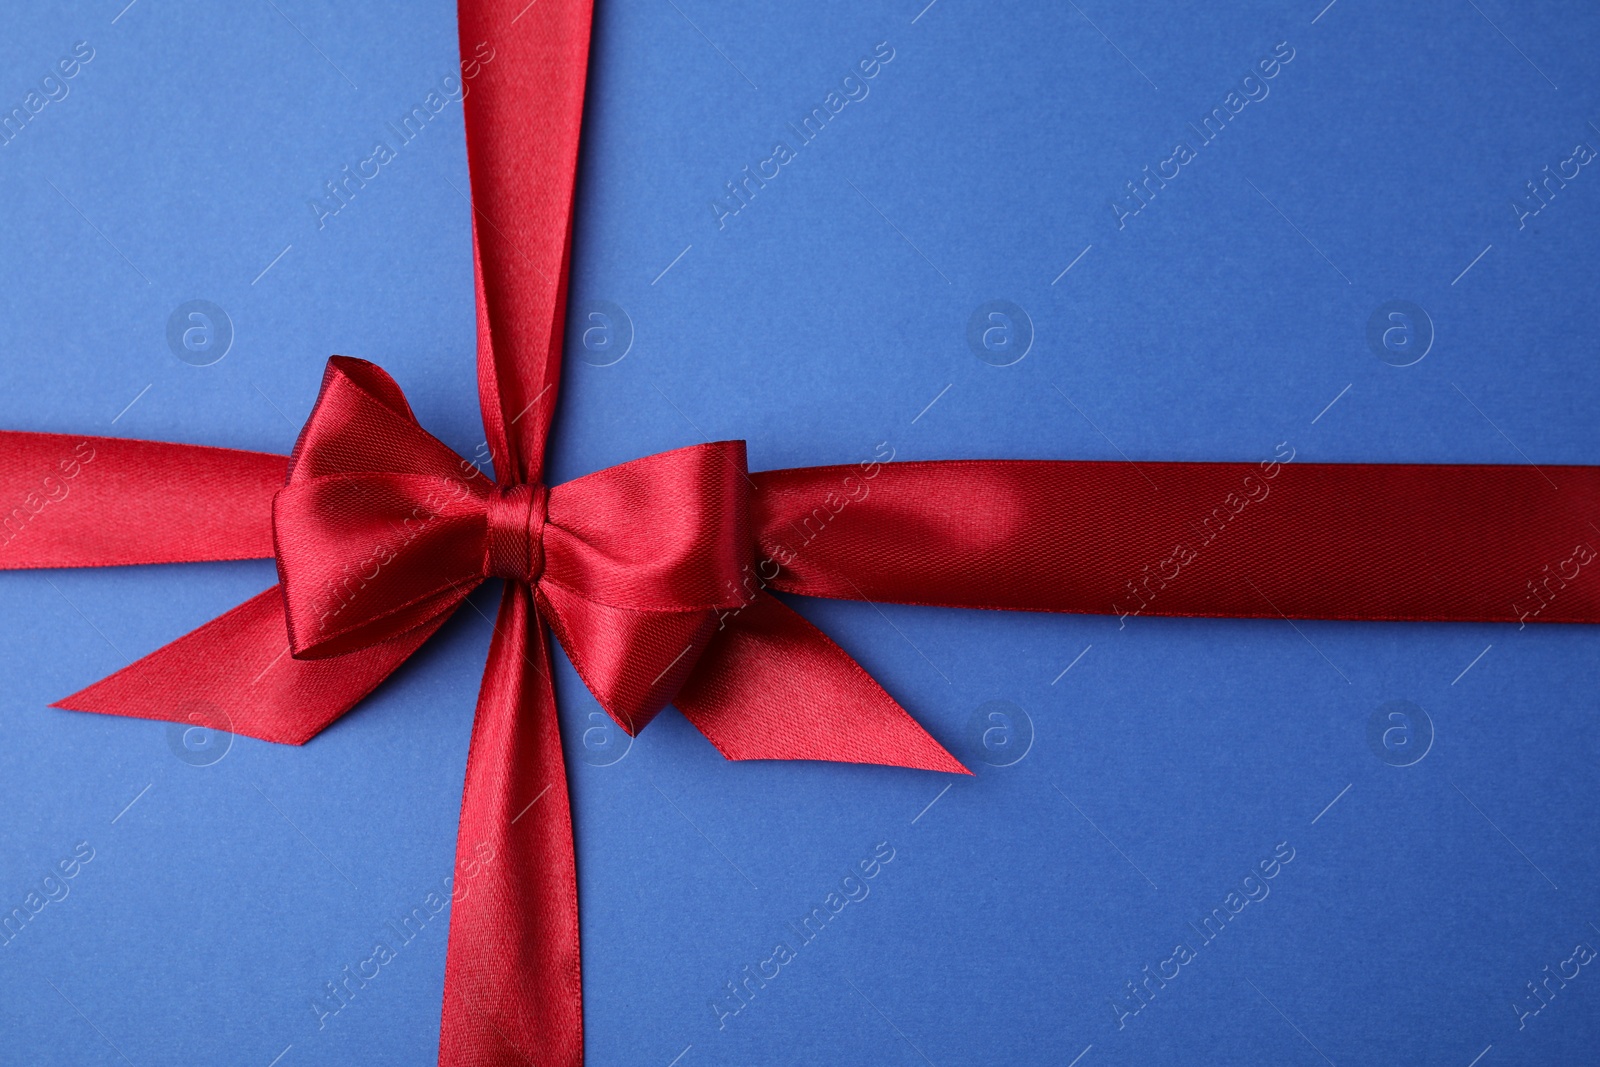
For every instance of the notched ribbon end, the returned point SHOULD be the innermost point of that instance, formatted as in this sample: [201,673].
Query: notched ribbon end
[225,676]
[772,686]
[202,716]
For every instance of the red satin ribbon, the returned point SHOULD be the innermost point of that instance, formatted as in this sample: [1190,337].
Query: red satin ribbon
[654,574]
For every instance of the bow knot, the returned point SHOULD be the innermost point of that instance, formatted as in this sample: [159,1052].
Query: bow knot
[515,540]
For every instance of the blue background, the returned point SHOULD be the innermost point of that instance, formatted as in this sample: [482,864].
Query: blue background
[825,317]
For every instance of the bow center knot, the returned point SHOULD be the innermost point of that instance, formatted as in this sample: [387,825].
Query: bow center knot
[515,545]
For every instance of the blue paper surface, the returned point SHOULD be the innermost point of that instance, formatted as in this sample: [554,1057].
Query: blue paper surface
[1371,841]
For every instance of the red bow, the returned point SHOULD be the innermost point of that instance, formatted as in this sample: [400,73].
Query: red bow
[653,574]
[381,531]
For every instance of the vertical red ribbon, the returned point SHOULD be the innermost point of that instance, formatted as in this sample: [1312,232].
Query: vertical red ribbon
[512,991]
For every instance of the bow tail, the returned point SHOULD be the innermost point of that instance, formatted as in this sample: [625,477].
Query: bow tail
[512,993]
[772,686]
[226,676]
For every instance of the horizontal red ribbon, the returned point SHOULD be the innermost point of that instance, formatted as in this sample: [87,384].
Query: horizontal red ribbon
[656,574]
[1274,539]
[1367,541]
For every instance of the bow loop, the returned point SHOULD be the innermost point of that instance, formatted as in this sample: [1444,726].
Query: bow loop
[640,561]
[361,423]
[363,558]
[668,532]
[380,527]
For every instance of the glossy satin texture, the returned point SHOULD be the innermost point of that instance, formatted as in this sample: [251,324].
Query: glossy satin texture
[382,529]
